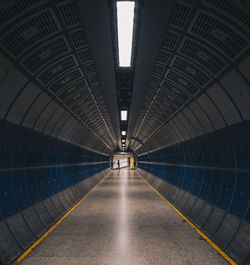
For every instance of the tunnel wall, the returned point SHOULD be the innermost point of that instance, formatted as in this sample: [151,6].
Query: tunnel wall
[207,179]
[41,178]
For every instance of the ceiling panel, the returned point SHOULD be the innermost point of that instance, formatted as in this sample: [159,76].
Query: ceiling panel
[46,41]
[203,42]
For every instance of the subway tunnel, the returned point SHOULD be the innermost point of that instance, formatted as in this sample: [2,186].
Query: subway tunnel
[175,114]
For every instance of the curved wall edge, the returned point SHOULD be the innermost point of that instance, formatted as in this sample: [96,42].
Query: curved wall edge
[41,178]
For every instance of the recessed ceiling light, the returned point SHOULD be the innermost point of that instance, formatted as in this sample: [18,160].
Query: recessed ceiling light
[124,115]
[123,141]
[125,23]
[123,132]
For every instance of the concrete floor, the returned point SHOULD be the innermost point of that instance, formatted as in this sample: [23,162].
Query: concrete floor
[123,222]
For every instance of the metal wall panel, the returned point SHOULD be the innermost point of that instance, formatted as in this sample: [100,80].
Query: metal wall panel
[208,185]
[23,103]
[9,88]
[53,120]
[212,112]
[35,110]
[44,116]
[203,119]
[224,104]
[244,67]
[239,91]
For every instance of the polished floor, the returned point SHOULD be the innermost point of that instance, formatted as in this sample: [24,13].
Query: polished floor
[123,222]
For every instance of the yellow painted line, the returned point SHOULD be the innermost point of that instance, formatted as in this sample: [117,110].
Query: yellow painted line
[132,162]
[219,250]
[26,253]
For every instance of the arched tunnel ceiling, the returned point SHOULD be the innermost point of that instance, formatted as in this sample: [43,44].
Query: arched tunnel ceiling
[49,78]
[191,71]
[99,36]
[200,80]
[151,33]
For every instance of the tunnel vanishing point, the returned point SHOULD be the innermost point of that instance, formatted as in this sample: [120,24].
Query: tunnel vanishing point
[124,132]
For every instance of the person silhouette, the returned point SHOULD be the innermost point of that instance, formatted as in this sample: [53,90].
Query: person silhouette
[118,164]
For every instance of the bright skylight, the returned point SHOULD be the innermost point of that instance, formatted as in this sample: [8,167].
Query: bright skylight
[123,132]
[124,115]
[125,23]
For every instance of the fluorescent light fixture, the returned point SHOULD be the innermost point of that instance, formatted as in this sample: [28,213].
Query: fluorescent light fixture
[125,23]
[123,141]
[124,115]
[123,132]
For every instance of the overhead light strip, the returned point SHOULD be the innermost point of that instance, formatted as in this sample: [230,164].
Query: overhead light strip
[124,115]
[125,24]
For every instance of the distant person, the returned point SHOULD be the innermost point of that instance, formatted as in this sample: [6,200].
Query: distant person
[129,162]
[118,164]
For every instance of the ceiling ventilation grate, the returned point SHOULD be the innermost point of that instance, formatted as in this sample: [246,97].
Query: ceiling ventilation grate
[239,10]
[169,100]
[84,56]
[93,79]
[77,99]
[175,90]
[163,57]
[55,70]
[12,9]
[181,81]
[78,39]
[75,88]
[202,55]
[180,15]
[170,40]
[67,92]
[89,68]
[69,14]
[33,30]
[42,56]
[155,80]
[66,80]
[159,69]
[190,70]
[219,34]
